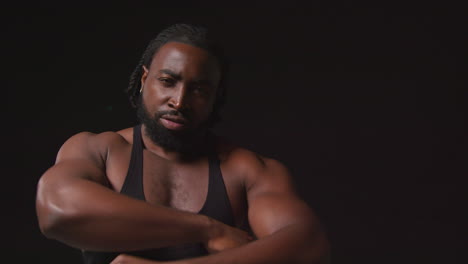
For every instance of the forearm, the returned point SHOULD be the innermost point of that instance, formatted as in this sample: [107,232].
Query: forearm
[292,244]
[89,216]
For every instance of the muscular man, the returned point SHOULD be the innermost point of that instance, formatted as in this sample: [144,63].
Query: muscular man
[168,189]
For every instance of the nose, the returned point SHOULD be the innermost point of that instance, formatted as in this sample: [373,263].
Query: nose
[178,99]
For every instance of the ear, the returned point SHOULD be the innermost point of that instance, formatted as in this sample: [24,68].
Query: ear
[144,75]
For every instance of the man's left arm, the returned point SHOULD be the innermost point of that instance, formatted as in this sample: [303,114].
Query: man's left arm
[286,228]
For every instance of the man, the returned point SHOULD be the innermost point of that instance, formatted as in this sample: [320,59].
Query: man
[168,189]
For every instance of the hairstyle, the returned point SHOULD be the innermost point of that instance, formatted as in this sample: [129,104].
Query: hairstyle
[191,35]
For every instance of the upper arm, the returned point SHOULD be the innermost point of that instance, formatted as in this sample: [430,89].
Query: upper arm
[83,156]
[273,201]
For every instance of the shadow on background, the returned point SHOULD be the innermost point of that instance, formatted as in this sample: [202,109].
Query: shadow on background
[363,104]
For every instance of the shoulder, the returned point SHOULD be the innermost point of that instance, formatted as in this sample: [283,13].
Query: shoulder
[245,159]
[253,167]
[84,145]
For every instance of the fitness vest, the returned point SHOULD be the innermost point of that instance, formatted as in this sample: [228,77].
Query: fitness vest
[216,206]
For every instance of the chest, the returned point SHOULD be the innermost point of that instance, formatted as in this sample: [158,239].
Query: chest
[183,186]
[178,185]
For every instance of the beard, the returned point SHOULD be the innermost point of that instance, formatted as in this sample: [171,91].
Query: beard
[186,141]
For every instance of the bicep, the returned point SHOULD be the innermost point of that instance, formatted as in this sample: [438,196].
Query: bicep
[271,212]
[78,162]
[78,172]
[274,203]
[80,158]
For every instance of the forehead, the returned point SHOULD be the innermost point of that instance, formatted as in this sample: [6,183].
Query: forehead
[185,59]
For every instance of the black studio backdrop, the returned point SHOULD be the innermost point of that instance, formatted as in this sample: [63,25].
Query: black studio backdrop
[362,102]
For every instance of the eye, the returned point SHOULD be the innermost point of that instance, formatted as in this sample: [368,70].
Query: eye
[200,89]
[166,82]
[197,88]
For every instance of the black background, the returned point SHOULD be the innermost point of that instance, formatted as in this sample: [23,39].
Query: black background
[363,102]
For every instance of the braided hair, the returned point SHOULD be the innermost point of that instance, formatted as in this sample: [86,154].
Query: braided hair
[188,34]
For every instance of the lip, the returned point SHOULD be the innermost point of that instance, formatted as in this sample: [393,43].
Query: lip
[173,122]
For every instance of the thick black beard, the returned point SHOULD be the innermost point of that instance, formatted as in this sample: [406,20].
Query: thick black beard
[186,142]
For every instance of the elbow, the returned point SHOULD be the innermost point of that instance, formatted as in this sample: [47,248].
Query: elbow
[50,222]
[51,218]
[52,211]
[56,222]
[47,227]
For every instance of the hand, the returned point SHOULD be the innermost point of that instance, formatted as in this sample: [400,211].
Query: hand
[226,237]
[127,259]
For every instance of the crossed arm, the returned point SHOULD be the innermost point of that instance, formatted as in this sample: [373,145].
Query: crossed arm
[75,206]
[286,228]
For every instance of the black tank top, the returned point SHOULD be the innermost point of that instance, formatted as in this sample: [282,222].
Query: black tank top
[216,206]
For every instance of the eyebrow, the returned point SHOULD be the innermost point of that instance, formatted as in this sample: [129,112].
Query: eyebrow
[179,77]
[171,73]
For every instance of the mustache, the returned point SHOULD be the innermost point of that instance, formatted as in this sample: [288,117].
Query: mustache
[172,113]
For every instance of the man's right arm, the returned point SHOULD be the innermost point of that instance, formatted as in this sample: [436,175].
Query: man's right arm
[75,205]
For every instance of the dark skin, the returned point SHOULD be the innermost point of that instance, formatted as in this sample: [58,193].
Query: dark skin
[78,201]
